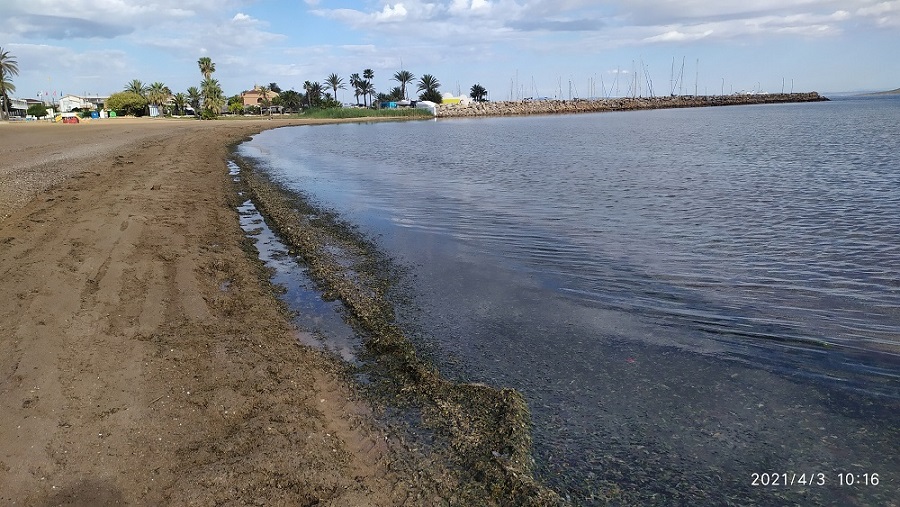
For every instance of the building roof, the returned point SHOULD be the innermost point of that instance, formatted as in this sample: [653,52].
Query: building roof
[254,97]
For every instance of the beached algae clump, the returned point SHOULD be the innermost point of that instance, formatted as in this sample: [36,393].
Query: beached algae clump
[485,432]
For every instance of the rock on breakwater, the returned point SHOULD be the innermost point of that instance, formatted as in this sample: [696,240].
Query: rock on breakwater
[525,107]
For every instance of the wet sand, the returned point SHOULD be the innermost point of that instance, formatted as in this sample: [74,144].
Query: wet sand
[144,359]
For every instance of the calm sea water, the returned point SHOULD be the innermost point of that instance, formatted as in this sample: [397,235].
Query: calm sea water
[686,297]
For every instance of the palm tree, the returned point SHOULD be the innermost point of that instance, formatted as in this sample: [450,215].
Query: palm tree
[9,67]
[316,90]
[289,99]
[366,89]
[6,87]
[213,98]
[179,100]
[395,94]
[429,85]
[403,77]
[194,97]
[138,87]
[236,104]
[334,82]
[369,88]
[158,94]
[264,95]
[354,82]
[207,67]
[477,92]
[313,93]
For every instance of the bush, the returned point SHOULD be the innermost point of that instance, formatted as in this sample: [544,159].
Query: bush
[37,110]
[127,103]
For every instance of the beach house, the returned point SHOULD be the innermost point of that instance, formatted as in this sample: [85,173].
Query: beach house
[71,102]
[254,97]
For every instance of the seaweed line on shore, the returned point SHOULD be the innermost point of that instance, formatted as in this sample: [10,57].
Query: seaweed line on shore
[485,432]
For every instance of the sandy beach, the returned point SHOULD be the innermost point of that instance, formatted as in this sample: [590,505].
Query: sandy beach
[143,358]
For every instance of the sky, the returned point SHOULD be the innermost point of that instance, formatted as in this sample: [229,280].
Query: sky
[513,48]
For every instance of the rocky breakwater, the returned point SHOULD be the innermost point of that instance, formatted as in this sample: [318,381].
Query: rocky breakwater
[515,108]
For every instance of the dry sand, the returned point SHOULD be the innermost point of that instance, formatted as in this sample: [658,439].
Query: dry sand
[142,360]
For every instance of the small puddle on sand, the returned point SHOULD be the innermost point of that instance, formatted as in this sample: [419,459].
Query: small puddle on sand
[320,323]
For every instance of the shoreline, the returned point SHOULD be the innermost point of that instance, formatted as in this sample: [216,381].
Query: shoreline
[146,358]
[484,432]
[533,107]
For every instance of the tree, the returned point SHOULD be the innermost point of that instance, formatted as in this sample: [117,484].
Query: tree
[236,104]
[403,77]
[207,67]
[179,100]
[367,85]
[334,82]
[264,95]
[136,86]
[395,94]
[211,93]
[236,107]
[6,87]
[366,88]
[213,98]
[9,67]
[429,85]
[158,94]
[37,110]
[354,82]
[477,92]
[127,102]
[313,93]
[289,99]
[194,98]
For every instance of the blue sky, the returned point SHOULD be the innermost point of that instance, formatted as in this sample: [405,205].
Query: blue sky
[514,48]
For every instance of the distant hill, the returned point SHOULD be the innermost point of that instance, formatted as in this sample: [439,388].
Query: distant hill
[892,92]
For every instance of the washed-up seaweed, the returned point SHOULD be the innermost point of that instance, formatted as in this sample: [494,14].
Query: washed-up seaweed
[485,432]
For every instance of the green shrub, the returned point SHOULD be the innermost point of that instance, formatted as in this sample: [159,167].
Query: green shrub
[37,110]
[127,103]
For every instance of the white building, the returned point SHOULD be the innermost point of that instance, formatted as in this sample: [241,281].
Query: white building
[69,102]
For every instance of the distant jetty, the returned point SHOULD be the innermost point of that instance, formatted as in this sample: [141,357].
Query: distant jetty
[526,107]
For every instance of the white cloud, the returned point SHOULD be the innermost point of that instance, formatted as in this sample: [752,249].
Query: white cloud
[127,16]
[392,13]
[469,7]
[883,14]
[239,35]
[679,36]
[631,22]
[58,68]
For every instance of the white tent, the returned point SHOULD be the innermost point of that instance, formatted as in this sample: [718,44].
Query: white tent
[427,104]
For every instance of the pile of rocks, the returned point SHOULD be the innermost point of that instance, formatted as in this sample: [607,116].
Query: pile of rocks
[510,108]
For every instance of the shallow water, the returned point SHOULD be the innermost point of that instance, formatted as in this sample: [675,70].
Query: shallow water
[685,297]
[320,323]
